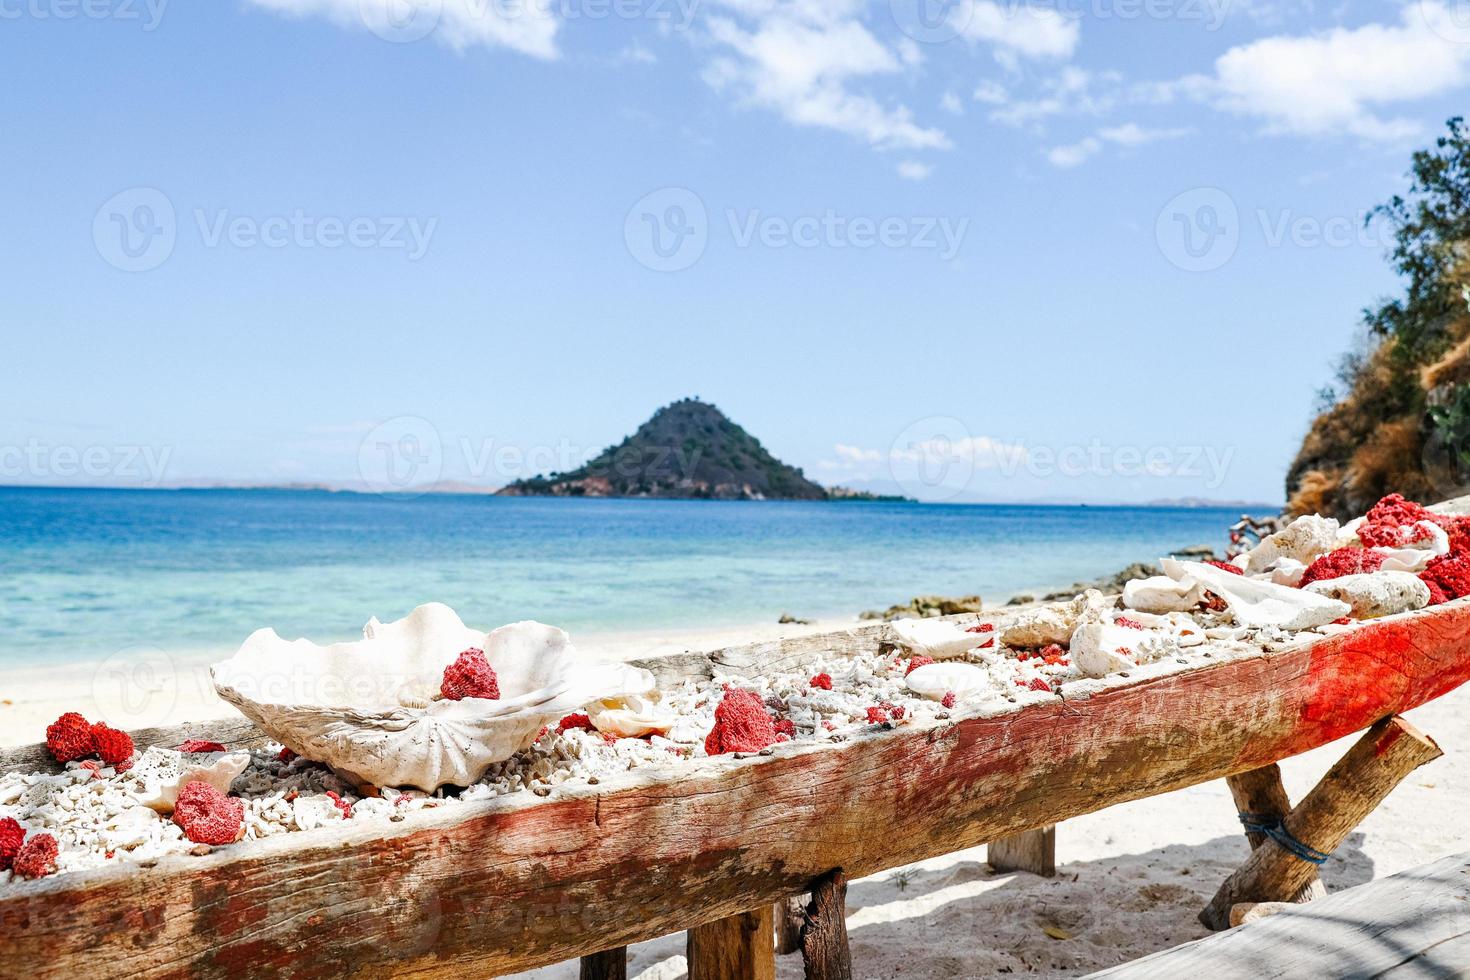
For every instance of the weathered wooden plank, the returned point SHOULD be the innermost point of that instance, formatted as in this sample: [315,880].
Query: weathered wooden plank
[234,732]
[787,915]
[1351,790]
[739,947]
[517,882]
[1261,792]
[824,948]
[1412,924]
[1032,850]
[610,964]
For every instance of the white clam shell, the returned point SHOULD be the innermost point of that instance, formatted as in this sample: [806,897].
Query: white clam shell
[1415,559]
[934,681]
[359,707]
[1256,603]
[631,716]
[934,638]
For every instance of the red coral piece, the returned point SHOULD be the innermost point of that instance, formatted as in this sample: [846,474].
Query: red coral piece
[1037,684]
[822,682]
[877,716]
[741,724]
[209,816]
[1053,655]
[340,804]
[69,738]
[1127,623]
[12,835]
[285,755]
[1225,566]
[577,719]
[37,857]
[948,700]
[786,727]
[1448,577]
[113,746]
[470,676]
[1343,561]
[916,662]
[201,745]
[982,628]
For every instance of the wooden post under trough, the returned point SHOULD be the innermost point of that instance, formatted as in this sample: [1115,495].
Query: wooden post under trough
[1034,851]
[1261,792]
[789,919]
[1376,763]
[740,947]
[610,964]
[824,930]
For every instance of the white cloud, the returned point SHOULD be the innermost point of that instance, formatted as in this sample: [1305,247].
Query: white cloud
[1026,30]
[856,454]
[1337,81]
[914,170]
[992,93]
[529,28]
[636,54]
[950,103]
[800,60]
[1074,153]
[1072,90]
[1128,134]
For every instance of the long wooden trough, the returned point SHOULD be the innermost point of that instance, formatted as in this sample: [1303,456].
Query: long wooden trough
[494,887]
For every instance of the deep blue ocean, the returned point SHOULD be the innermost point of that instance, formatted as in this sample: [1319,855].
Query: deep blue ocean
[86,573]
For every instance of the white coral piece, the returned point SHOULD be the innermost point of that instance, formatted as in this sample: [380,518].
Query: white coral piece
[1054,623]
[1255,603]
[1303,539]
[1376,594]
[360,707]
[1160,594]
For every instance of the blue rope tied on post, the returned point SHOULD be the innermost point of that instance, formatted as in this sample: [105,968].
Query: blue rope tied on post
[1273,828]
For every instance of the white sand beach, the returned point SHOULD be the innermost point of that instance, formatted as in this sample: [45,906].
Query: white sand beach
[1130,878]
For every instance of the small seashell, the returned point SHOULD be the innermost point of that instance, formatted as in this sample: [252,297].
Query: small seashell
[933,638]
[934,681]
[631,716]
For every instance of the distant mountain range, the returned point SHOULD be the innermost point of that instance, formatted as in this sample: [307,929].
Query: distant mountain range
[687,450]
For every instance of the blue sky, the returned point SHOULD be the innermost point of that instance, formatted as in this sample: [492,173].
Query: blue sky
[1102,250]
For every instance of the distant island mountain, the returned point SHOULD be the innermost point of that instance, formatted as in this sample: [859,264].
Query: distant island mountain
[687,450]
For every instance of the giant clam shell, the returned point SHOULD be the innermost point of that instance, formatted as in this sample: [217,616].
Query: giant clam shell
[365,709]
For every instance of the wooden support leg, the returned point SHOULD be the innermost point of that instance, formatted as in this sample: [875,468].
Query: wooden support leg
[1376,763]
[824,930]
[788,916]
[1034,851]
[740,947]
[1261,792]
[610,964]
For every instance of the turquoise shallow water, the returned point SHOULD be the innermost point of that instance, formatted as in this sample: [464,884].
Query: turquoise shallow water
[85,573]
